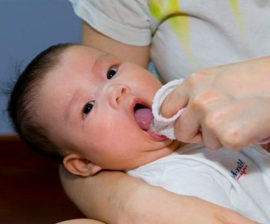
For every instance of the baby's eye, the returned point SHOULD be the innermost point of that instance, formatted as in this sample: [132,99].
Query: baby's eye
[88,107]
[112,71]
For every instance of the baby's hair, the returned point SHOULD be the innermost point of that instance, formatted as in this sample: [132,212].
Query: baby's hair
[21,106]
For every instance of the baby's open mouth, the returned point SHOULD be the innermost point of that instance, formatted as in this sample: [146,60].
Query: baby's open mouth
[143,116]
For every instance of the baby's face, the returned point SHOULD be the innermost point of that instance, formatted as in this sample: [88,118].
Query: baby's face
[88,104]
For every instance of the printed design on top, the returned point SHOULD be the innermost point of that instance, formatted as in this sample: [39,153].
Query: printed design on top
[237,14]
[179,23]
[170,10]
[239,170]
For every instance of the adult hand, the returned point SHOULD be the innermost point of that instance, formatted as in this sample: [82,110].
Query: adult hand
[225,106]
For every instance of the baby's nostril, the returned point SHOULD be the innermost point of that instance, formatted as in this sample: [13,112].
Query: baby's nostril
[119,92]
[123,90]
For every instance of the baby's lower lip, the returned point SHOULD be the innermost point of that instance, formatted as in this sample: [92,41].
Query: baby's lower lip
[156,136]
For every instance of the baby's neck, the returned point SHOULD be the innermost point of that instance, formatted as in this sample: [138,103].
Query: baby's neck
[155,155]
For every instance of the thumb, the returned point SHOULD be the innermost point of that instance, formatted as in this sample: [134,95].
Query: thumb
[175,100]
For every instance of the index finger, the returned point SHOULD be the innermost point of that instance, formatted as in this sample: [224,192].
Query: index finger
[175,100]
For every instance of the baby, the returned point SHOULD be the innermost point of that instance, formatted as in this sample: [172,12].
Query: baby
[92,112]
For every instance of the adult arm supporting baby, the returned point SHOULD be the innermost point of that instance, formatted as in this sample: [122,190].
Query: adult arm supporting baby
[115,197]
[136,54]
[81,221]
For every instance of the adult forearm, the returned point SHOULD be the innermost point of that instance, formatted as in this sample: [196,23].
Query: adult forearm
[116,198]
[136,54]
[102,197]
[80,221]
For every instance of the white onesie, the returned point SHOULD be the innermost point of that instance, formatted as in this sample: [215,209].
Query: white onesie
[239,181]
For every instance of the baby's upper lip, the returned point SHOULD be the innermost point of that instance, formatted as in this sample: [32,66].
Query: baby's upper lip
[137,101]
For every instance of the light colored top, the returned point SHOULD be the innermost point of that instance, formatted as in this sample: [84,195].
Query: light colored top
[196,34]
[240,181]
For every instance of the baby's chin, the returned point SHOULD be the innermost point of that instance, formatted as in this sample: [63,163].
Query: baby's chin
[169,147]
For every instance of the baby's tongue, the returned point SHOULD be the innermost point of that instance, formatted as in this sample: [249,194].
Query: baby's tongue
[144,118]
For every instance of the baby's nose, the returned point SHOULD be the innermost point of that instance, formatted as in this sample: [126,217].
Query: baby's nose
[117,93]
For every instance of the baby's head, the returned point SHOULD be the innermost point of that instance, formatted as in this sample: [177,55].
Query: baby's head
[87,109]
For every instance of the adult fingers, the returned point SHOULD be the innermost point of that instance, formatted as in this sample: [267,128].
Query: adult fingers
[209,139]
[176,100]
[187,127]
[179,97]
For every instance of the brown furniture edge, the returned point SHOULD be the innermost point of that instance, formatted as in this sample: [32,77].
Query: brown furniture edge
[10,138]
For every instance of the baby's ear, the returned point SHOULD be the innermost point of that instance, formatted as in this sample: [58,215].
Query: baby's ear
[80,166]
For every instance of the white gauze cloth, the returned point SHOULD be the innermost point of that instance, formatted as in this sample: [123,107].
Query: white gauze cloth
[161,125]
